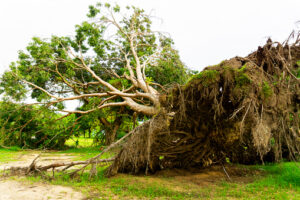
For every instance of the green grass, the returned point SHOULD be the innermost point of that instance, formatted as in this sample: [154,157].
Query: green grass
[283,175]
[276,181]
[85,153]
[280,181]
[82,148]
[79,142]
[10,154]
[120,187]
[271,181]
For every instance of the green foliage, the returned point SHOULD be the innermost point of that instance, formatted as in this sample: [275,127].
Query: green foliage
[49,66]
[43,58]
[298,69]
[92,11]
[32,127]
[298,73]
[169,68]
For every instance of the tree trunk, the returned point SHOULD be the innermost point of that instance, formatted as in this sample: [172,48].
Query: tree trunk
[134,118]
[110,136]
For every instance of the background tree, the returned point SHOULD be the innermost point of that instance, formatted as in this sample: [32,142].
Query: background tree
[33,126]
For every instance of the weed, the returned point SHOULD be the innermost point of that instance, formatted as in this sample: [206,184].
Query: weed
[242,78]
[266,90]
[207,77]
[242,69]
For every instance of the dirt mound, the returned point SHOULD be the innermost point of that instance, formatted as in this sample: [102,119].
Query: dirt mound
[244,110]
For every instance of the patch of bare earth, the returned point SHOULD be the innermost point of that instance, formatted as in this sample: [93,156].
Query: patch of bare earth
[193,180]
[211,175]
[13,190]
[184,180]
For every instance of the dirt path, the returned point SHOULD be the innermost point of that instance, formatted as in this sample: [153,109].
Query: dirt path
[14,190]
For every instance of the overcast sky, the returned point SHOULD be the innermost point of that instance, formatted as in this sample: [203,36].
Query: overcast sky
[205,32]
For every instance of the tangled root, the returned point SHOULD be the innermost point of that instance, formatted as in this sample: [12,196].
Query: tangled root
[244,110]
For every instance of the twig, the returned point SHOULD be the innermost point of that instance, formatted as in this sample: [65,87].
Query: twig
[32,165]
[226,173]
[236,112]
[242,122]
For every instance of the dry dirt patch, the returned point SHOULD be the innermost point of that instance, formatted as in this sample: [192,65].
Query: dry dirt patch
[211,175]
[13,190]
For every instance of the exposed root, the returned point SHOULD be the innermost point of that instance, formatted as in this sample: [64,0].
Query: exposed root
[137,153]
[243,110]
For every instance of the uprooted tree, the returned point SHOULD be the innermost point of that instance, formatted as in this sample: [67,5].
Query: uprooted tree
[243,110]
[115,66]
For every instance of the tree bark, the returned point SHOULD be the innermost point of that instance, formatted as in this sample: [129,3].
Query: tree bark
[110,136]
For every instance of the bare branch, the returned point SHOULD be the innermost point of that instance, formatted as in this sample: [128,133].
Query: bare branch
[114,104]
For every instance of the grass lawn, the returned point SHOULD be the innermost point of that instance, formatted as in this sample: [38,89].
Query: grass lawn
[79,142]
[271,181]
[11,154]
[84,153]
[279,181]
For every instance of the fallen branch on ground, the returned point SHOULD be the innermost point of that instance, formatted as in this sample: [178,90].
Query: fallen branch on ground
[33,168]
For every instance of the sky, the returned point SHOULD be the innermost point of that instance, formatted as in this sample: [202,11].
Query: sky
[204,32]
